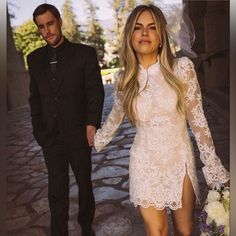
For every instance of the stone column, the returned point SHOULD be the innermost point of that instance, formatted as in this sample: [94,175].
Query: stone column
[196,11]
[216,64]
[17,76]
[3,122]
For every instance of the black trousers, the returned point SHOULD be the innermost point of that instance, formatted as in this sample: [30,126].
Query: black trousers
[58,157]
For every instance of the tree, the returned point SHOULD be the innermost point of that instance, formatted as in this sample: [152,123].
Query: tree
[121,10]
[118,8]
[27,38]
[146,2]
[95,34]
[69,26]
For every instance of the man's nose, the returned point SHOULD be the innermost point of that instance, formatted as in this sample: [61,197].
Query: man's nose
[46,29]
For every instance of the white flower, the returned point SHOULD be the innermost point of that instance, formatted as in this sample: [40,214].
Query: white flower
[208,220]
[226,230]
[217,213]
[217,186]
[217,209]
[222,220]
[204,234]
[226,193]
[213,196]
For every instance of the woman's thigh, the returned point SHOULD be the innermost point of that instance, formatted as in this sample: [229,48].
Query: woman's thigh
[183,218]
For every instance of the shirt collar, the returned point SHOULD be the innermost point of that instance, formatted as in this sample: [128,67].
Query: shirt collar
[60,47]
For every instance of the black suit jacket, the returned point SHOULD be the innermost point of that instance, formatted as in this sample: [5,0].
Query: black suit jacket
[77,101]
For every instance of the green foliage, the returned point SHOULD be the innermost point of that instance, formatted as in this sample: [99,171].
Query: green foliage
[121,10]
[69,26]
[114,62]
[27,38]
[109,71]
[146,2]
[95,34]
[96,40]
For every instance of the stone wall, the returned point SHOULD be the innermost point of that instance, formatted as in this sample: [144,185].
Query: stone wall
[211,22]
[216,64]
[17,76]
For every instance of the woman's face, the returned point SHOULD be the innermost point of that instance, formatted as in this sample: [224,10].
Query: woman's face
[145,40]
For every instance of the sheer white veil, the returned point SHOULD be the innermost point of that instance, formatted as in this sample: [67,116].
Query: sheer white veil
[180,29]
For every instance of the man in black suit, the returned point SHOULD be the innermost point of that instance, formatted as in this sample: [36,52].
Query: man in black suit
[66,100]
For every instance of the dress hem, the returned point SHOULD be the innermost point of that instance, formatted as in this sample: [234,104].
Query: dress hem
[158,206]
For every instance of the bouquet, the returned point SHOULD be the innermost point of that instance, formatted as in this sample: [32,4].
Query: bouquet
[214,218]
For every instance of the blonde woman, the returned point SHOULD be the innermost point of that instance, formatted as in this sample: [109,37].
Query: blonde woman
[159,94]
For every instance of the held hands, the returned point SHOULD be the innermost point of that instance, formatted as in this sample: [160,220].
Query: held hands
[90,132]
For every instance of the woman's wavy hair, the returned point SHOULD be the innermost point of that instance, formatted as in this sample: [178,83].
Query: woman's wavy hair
[128,83]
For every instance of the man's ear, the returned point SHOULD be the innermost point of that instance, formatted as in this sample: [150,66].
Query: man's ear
[38,30]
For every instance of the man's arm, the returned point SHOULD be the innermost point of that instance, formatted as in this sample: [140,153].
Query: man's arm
[34,99]
[94,95]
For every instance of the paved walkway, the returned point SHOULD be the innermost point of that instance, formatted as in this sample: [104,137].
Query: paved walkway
[27,207]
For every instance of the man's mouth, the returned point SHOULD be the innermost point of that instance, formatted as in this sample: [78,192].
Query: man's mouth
[50,36]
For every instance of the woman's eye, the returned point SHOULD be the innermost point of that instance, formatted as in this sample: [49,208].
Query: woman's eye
[153,28]
[137,28]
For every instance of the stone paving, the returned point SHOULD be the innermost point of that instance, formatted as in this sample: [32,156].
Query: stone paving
[27,206]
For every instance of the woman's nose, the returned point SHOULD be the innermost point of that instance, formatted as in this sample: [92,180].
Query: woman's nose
[144,32]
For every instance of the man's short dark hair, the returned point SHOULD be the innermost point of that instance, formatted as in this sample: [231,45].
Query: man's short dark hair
[43,8]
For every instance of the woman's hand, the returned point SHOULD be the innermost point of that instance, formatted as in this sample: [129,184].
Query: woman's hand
[227,184]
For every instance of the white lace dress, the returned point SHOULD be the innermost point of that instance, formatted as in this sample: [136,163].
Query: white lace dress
[162,152]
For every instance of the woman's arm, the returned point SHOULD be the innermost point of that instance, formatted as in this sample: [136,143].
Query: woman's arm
[113,121]
[213,170]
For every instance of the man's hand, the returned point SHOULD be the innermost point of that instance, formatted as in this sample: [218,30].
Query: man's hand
[90,132]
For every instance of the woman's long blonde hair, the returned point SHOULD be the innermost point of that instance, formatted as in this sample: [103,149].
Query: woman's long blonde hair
[129,84]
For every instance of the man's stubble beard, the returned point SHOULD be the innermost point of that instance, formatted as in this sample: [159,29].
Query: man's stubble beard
[57,41]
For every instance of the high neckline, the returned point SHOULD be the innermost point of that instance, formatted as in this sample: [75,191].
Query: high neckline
[150,70]
[152,66]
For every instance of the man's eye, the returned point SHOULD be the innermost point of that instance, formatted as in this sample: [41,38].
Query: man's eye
[40,26]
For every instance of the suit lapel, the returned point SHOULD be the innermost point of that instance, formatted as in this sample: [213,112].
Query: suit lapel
[43,68]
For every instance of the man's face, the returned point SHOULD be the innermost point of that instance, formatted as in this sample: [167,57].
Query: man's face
[50,28]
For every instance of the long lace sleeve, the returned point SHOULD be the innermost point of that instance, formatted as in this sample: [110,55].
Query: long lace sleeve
[213,169]
[113,121]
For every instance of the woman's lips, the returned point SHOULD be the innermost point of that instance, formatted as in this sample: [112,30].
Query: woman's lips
[143,41]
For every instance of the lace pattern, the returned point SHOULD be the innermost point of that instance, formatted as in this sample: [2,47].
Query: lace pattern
[213,170]
[162,152]
[106,133]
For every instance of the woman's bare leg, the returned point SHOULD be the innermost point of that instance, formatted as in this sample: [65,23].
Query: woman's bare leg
[156,221]
[183,218]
